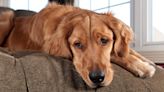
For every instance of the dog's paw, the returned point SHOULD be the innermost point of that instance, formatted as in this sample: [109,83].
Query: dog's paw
[143,69]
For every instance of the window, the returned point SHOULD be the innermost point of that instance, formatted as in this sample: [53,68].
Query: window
[34,5]
[148,25]
[157,32]
[3,2]
[120,8]
[149,35]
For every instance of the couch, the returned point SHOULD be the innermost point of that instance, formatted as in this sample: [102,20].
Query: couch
[40,72]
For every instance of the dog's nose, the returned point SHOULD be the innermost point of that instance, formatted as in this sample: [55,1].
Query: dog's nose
[96,76]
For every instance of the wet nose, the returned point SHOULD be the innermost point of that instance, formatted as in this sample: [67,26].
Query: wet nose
[96,76]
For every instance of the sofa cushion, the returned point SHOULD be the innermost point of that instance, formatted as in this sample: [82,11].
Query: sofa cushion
[39,72]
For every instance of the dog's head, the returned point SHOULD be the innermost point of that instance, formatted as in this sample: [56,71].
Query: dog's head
[94,39]
[89,39]
[91,43]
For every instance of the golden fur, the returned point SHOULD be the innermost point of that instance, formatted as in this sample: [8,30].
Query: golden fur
[6,23]
[90,39]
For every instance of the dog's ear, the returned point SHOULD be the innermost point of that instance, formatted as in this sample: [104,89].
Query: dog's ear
[37,29]
[52,33]
[56,38]
[57,43]
[122,35]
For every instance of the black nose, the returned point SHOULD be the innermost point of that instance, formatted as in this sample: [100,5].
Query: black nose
[96,76]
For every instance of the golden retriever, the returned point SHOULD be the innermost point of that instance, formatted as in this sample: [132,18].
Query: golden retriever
[92,40]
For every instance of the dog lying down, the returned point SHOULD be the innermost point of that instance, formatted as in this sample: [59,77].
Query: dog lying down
[91,40]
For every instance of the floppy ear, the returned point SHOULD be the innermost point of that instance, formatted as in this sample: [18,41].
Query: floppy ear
[51,35]
[57,43]
[36,29]
[122,35]
[57,35]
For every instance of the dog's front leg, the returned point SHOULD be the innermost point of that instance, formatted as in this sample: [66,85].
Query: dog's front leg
[136,64]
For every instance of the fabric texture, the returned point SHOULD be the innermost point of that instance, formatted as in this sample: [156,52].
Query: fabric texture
[39,72]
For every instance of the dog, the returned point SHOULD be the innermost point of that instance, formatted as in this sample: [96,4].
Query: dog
[91,40]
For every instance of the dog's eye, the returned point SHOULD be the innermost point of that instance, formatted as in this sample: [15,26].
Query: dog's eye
[78,45]
[104,40]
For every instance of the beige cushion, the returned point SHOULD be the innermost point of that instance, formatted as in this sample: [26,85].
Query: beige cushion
[39,72]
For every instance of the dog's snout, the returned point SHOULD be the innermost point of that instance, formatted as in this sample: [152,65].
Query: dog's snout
[96,77]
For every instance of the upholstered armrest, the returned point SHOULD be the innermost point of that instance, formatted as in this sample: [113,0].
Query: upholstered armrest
[39,72]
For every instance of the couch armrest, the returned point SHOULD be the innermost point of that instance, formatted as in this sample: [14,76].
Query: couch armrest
[39,72]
